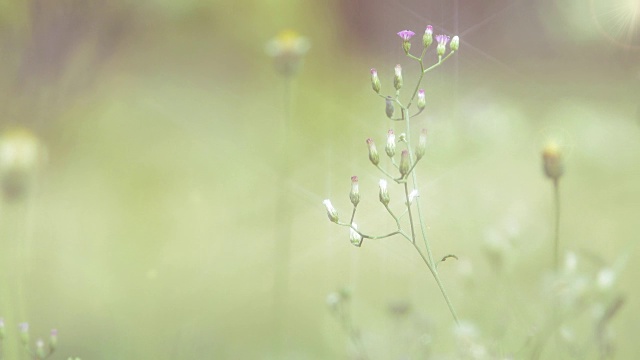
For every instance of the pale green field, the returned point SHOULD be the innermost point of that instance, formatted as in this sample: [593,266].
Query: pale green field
[151,231]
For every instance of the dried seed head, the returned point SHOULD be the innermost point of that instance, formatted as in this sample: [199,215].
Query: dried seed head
[552,161]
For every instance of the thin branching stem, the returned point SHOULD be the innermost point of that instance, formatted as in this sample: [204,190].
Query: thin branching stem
[556,232]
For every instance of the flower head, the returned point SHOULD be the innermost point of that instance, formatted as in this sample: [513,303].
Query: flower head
[287,50]
[442,39]
[406,35]
[442,44]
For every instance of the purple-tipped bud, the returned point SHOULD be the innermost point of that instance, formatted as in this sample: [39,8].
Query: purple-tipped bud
[332,213]
[390,148]
[406,35]
[397,78]
[404,163]
[455,43]
[422,144]
[375,81]
[354,236]
[373,152]
[442,44]
[384,192]
[354,195]
[389,109]
[427,38]
[53,340]
[24,333]
[422,102]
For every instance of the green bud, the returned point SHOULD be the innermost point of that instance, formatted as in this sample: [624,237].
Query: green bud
[390,148]
[373,152]
[455,43]
[354,237]
[422,102]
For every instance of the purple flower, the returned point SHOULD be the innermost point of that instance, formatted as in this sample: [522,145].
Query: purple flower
[442,39]
[406,34]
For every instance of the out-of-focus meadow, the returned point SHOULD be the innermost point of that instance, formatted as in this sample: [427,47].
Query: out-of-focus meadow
[152,226]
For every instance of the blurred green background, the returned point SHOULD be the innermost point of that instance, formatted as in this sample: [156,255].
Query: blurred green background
[151,231]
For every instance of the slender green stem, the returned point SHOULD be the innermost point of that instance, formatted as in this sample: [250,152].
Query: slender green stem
[413,231]
[556,232]
[434,272]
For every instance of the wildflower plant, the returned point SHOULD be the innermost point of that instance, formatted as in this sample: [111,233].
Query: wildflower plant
[403,154]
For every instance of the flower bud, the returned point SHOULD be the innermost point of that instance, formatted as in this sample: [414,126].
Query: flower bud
[552,161]
[332,213]
[390,149]
[375,81]
[24,333]
[384,192]
[354,237]
[354,195]
[404,163]
[389,108]
[422,102]
[3,331]
[397,78]
[53,340]
[40,353]
[427,38]
[422,144]
[455,43]
[373,152]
